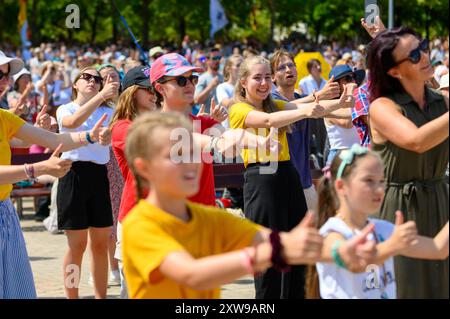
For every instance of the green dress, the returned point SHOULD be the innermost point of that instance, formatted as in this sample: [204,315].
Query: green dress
[415,185]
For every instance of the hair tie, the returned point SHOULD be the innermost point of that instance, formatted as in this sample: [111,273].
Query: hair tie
[348,156]
[327,172]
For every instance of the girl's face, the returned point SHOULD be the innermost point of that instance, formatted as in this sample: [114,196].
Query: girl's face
[89,83]
[258,83]
[145,100]
[363,189]
[235,67]
[167,177]
[112,74]
[420,71]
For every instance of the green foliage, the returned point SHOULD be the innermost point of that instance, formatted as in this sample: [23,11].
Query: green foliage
[170,20]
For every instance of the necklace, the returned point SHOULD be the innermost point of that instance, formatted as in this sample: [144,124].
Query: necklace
[384,294]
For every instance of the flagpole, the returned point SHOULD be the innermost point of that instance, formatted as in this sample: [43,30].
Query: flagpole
[124,21]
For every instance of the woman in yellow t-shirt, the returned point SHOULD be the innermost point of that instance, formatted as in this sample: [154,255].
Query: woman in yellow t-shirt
[273,195]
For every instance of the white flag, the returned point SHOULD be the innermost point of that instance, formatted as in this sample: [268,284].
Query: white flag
[217,16]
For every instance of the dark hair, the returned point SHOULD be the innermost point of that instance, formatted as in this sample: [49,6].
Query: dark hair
[311,63]
[380,60]
[212,51]
[328,204]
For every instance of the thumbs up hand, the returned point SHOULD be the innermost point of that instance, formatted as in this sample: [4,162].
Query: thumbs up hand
[54,166]
[219,112]
[329,91]
[404,234]
[43,119]
[101,134]
[303,244]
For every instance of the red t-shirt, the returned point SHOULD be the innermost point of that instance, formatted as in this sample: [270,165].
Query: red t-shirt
[206,194]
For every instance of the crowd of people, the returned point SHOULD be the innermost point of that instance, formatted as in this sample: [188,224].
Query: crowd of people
[376,127]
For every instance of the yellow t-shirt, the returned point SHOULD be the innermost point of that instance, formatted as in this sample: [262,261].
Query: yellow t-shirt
[238,114]
[150,234]
[9,125]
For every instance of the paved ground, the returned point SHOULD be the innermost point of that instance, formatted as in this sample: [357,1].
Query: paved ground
[46,253]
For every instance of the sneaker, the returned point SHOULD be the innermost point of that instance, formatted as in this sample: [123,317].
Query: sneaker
[114,278]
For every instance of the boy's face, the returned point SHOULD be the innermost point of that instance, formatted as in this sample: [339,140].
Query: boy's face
[168,175]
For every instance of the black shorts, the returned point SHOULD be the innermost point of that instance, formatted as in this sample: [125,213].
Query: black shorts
[83,199]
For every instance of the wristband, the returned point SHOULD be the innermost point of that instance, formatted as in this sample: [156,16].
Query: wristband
[278,262]
[335,254]
[88,138]
[29,171]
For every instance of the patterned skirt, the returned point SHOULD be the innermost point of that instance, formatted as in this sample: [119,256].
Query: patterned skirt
[16,277]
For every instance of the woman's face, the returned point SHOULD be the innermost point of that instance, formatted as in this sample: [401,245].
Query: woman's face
[175,95]
[420,71]
[23,81]
[87,84]
[145,100]
[258,83]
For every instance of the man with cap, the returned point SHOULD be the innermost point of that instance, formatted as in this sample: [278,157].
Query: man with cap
[341,132]
[8,67]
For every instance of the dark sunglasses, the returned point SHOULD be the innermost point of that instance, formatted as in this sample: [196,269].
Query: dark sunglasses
[3,75]
[182,80]
[414,55]
[88,77]
[150,89]
[216,58]
[283,67]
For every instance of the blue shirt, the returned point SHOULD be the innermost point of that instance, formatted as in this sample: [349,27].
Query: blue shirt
[298,142]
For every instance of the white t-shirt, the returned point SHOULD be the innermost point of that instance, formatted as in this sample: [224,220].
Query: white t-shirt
[338,283]
[341,137]
[224,91]
[308,85]
[95,153]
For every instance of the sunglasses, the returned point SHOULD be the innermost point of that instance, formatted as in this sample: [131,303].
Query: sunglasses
[3,75]
[88,77]
[150,89]
[182,80]
[216,58]
[414,55]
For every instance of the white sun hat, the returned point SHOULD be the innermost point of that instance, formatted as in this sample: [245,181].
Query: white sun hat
[15,65]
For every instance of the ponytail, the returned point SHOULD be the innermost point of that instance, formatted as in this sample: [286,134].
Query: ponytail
[326,208]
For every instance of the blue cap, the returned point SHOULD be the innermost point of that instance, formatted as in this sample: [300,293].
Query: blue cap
[339,71]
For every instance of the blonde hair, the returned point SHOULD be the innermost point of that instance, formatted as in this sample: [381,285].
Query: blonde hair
[74,91]
[126,108]
[240,95]
[141,143]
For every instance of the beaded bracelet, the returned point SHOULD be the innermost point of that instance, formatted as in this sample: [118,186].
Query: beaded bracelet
[335,254]
[278,262]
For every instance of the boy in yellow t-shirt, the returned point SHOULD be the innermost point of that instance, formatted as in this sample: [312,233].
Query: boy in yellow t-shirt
[177,249]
